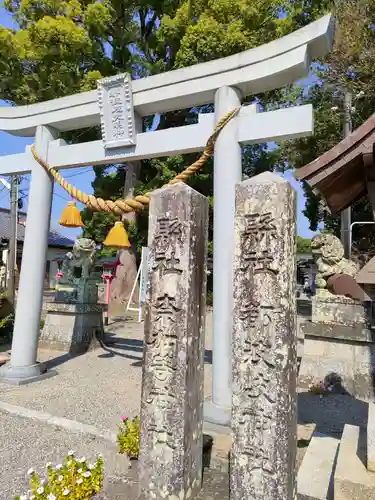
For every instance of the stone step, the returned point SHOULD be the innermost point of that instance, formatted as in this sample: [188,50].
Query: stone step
[304,307]
[352,480]
[371,438]
[315,476]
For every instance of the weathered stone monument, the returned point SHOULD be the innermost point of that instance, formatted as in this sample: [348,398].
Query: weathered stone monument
[172,388]
[264,353]
[74,321]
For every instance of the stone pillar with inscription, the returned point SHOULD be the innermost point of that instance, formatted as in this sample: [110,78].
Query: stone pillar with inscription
[264,354]
[172,388]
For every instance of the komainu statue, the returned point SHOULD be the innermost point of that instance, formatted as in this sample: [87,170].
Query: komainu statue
[82,257]
[328,254]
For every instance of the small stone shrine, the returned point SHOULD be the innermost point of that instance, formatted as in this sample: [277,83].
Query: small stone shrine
[264,350]
[338,344]
[74,321]
[170,461]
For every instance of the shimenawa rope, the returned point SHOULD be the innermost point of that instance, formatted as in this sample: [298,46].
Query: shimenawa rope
[120,206]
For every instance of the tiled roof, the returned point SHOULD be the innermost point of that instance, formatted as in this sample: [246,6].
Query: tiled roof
[55,239]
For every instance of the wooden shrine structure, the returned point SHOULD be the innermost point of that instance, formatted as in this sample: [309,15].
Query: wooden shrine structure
[345,173]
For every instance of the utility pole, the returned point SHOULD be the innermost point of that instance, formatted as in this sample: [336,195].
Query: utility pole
[12,256]
[346,215]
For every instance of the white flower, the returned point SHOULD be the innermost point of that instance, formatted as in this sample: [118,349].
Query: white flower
[58,466]
[49,464]
[360,94]
[60,478]
[100,455]
[352,108]
[30,472]
[81,460]
[86,474]
[42,482]
[91,466]
[40,490]
[79,481]
[70,453]
[79,471]
[66,492]
[51,497]
[334,108]
[23,497]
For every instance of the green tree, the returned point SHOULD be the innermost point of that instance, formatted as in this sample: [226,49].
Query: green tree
[64,46]
[350,65]
[303,245]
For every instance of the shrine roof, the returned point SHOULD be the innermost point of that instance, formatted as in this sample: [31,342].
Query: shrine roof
[55,238]
[339,174]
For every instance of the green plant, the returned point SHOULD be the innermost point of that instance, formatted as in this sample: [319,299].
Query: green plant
[321,389]
[74,479]
[128,437]
[6,326]
[7,321]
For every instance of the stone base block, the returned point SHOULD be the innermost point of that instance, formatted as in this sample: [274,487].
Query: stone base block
[22,375]
[352,480]
[339,310]
[217,415]
[345,353]
[75,328]
[28,380]
[315,476]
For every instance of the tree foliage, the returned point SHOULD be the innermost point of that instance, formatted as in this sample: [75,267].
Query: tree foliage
[64,46]
[349,66]
[303,245]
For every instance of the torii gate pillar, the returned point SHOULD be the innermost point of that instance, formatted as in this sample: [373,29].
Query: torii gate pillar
[227,173]
[23,367]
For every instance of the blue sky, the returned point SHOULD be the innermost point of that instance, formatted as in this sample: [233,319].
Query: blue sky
[83,177]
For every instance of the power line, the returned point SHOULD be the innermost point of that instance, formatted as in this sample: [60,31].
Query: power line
[78,173]
[62,197]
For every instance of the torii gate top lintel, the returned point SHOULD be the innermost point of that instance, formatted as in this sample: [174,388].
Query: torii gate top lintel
[263,68]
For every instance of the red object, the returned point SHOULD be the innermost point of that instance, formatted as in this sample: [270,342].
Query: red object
[59,275]
[112,265]
[108,277]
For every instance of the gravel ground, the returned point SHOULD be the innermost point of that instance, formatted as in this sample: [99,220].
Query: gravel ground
[100,386]
[26,443]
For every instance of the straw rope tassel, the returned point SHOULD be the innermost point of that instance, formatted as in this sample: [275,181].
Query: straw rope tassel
[121,206]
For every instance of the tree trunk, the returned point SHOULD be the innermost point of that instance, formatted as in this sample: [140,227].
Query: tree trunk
[126,274]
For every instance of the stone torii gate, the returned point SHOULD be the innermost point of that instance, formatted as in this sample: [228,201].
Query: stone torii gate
[118,106]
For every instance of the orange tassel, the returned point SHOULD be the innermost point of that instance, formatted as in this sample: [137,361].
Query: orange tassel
[71,216]
[117,237]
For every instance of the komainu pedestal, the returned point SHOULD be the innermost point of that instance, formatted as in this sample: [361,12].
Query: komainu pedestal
[170,459]
[264,357]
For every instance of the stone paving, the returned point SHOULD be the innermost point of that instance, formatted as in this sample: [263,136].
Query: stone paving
[97,389]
